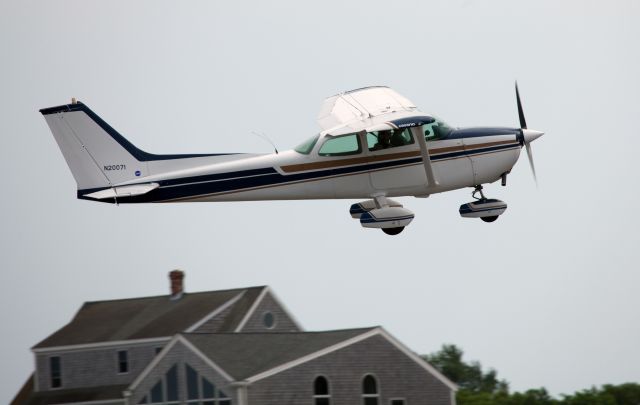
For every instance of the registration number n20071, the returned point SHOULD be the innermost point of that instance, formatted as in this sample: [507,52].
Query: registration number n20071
[115,167]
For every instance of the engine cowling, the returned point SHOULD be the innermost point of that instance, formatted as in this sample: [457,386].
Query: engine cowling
[386,217]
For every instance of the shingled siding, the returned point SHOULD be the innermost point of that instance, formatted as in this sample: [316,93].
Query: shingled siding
[397,375]
[283,323]
[95,367]
[180,355]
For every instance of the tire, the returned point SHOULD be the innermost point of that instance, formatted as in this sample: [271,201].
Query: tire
[489,219]
[393,231]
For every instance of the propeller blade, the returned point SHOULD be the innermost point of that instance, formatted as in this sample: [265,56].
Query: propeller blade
[533,168]
[523,123]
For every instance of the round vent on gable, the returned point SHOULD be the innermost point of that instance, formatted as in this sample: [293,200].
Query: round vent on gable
[269,320]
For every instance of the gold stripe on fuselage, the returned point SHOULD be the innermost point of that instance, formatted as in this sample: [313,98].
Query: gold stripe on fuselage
[332,164]
[341,162]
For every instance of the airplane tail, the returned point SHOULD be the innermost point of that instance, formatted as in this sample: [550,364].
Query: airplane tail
[98,156]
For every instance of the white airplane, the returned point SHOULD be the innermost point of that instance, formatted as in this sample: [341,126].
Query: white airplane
[374,144]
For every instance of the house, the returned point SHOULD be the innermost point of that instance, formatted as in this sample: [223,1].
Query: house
[229,347]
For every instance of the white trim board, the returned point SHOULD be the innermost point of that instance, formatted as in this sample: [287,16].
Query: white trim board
[205,358]
[312,356]
[215,312]
[253,308]
[176,339]
[404,349]
[90,346]
[151,365]
[98,402]
[286,310]
[377,331]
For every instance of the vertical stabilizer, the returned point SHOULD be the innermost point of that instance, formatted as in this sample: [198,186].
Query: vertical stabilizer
[97,155]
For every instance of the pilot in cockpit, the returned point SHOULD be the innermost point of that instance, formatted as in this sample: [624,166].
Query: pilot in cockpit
[384,140]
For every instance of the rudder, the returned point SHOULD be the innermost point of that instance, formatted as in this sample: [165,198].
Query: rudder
[97,155]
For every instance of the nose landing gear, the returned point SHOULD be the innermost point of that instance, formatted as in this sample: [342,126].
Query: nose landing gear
[487,209]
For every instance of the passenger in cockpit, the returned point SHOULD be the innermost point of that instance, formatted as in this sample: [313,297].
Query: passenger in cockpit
[397,139]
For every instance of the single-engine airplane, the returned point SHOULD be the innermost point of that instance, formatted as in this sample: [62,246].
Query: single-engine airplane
[374,144]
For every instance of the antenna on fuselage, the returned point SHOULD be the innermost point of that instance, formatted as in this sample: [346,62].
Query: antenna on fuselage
[266,138]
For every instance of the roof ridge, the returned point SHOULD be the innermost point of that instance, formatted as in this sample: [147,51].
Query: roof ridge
[169,295]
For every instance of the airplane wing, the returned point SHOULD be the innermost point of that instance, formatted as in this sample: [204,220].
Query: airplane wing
[360,104]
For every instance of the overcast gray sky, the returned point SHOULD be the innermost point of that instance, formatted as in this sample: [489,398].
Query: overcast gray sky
[547,295]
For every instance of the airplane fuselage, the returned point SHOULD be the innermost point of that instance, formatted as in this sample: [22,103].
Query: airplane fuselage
[465,158]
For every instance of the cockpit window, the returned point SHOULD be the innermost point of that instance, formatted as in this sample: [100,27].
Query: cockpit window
[307,146]
[340,145]
[389,139]
[436,130]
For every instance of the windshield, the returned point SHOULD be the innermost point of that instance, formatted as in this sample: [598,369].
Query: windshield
[307,146]
[437,129]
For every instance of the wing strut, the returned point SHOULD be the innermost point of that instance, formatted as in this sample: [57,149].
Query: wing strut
[418,133]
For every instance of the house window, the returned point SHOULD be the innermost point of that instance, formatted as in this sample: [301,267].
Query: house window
[172,383]
[397,402]
[193,391]
[321,395]
[370,395]
[165,391]
[223,399]
[201,391]
[55,368]
[156,393]
[123,361]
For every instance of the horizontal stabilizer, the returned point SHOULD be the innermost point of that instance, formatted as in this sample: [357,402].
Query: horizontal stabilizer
[123,191]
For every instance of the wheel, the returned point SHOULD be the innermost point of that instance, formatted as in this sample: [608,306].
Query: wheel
[489,219]
[393,231]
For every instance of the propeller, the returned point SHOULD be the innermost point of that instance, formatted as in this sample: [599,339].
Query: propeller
[529,135]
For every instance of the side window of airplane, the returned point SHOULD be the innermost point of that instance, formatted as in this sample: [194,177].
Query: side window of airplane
[389,139]
[340,145]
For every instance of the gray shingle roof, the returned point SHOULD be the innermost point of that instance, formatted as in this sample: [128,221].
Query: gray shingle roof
[28,397]
[243,355]
[149,317]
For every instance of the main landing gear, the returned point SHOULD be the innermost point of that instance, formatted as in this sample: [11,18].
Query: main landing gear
[487,209]
[393,231]
[382,213]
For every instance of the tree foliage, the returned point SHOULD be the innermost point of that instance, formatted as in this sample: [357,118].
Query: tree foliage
[478,387]
[468,376]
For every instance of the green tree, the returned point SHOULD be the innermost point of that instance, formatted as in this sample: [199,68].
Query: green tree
[592,396]
[538,396]
[623,394]
[484,388]
[468,376]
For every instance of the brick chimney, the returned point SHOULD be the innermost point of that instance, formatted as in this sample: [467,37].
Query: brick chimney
[177,287]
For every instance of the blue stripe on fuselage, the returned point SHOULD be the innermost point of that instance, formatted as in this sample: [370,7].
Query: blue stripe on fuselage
[195,186]
[481,132]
